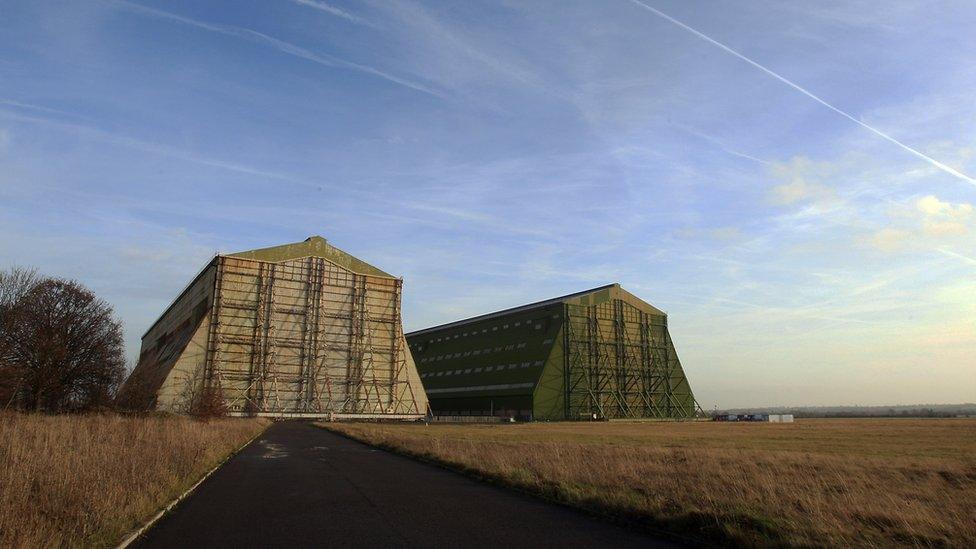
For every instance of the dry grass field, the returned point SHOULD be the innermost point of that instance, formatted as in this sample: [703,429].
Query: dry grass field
[869,483]
[84,481]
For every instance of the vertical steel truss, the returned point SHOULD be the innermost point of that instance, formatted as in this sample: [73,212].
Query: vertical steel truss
[382,378]
[618,364]
[307,337]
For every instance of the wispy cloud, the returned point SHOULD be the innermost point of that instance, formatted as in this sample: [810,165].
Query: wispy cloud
[280,45]
[947,169]
[801,179]
[558,161]
[801,312]
[451,55]
[39,108]
[150,147]
[333,10]
[929,222]
[491,222]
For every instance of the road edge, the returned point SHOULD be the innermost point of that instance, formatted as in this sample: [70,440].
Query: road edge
[128,540]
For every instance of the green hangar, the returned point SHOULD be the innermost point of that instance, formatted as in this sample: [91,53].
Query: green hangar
[598,354]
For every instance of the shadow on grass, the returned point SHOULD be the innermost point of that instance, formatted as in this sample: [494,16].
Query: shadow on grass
[737,528]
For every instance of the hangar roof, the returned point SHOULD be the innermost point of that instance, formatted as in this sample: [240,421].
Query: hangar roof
[313,246]
[592,296]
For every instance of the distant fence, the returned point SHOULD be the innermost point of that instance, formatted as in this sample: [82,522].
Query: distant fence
[470,419]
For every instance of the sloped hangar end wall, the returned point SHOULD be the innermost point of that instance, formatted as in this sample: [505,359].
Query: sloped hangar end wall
[165,342]
[309,337]
[549,398]
[185,380]
[414,388]
[684,398]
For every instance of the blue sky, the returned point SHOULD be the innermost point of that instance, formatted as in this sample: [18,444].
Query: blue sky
[498,153]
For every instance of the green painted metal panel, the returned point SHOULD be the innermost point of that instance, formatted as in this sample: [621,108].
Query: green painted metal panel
[622,364]
[496,356]
[549,397]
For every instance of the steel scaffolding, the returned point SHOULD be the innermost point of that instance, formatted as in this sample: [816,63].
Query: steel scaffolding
[307,338]
[620,363]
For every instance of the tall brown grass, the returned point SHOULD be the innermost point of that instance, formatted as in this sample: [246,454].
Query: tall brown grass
[87,480]
[870,483]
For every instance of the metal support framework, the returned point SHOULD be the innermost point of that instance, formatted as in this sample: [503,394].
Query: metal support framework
[306,337]
[619,363]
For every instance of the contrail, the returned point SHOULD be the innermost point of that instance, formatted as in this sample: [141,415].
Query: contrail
[333,10]
[947,169]
[280,45]
[950,253]
[718,143]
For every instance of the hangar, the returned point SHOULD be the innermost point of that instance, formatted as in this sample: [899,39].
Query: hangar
[601,353]
[298,330]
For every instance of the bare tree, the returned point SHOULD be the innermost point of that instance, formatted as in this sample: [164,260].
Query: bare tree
[63,346]
[14,284]
[208,403]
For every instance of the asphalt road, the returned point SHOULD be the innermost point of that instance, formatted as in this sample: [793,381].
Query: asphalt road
[301,486]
